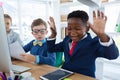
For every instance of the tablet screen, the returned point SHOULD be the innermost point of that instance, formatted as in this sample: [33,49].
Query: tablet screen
[58,74]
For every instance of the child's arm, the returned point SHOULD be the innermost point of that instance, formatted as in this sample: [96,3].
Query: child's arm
[49,59]
[99,26]
[52,27]
[28,57]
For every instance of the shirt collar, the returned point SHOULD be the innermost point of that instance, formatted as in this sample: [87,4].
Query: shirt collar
[84,36]
[43,41]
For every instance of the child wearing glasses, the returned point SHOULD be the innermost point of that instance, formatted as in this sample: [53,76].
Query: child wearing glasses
[81,58]
[12,36]
[38,46]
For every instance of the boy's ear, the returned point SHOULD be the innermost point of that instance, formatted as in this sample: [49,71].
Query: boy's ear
[88,27]
[32,33]
[88,24]
[46,32]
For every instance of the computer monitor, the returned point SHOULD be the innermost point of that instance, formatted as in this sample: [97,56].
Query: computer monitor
[5,59]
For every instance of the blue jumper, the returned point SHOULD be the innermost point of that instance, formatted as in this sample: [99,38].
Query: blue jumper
[45,57]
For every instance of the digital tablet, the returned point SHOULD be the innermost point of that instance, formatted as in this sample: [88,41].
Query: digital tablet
[58,74]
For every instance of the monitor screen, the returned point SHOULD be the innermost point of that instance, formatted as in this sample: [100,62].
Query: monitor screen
[5,59]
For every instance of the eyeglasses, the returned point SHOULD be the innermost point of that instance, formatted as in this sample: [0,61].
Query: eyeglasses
[42,31]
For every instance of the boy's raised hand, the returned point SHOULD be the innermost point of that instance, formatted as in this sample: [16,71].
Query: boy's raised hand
[99,20]
[98,26]
[51,22]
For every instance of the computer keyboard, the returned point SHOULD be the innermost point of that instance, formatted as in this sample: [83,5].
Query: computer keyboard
[19,69]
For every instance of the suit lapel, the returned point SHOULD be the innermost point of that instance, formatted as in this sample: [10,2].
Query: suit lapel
[81,44]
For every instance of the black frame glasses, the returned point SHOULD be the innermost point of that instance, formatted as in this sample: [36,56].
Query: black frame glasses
[36,31]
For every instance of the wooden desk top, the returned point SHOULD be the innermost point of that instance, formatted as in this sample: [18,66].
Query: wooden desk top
[39,70]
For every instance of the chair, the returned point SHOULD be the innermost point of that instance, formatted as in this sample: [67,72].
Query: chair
[99,68]
[59,59]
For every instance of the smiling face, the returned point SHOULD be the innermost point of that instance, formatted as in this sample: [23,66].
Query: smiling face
[76,29]
[77,24]
[39,32]
[39,29]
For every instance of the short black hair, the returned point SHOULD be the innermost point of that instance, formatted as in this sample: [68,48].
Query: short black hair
[79,14]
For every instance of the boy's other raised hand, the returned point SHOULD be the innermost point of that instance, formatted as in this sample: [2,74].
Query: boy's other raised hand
[98,26]
[99,20]
[51,23]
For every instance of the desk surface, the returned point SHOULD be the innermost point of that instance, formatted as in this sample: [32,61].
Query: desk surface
[39,70]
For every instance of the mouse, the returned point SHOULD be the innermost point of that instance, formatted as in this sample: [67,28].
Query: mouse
[26,74]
